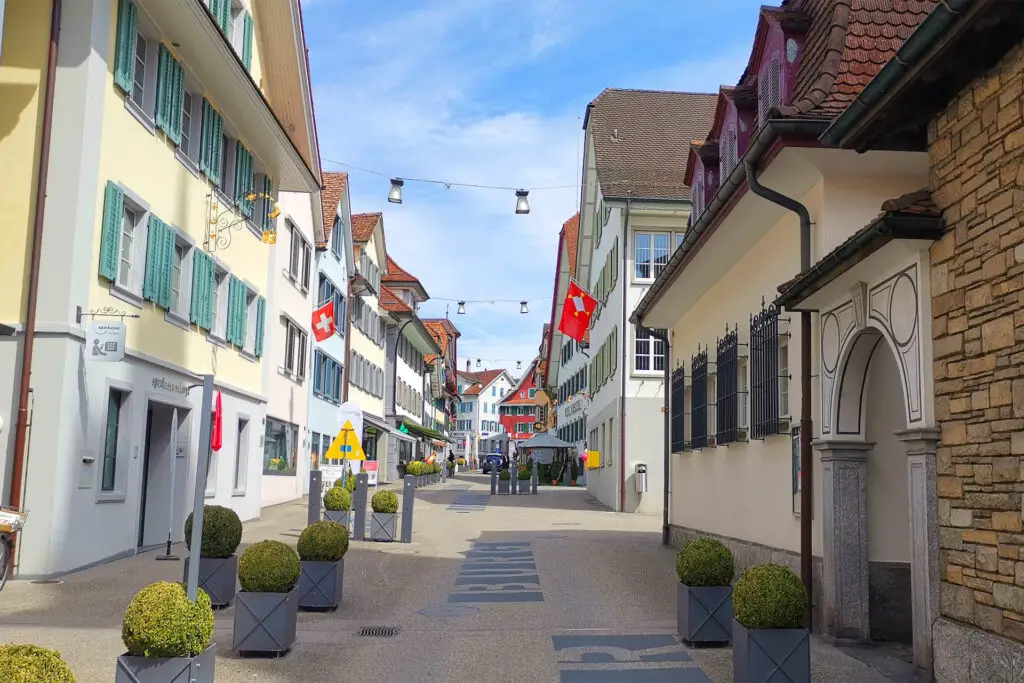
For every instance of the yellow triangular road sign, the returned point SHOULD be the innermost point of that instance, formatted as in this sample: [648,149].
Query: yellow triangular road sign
[346,445]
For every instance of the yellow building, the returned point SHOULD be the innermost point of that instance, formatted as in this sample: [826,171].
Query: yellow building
[174,124]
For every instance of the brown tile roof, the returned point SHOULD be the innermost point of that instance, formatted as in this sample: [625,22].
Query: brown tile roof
[389,301]
[330,198]
[571,230]
[473,390]
[363,225]
[398,274]
[641,139]
[847,44]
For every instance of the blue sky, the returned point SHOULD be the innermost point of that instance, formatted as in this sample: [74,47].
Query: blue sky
[493,92]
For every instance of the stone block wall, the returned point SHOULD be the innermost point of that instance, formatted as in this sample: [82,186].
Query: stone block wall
[976,149]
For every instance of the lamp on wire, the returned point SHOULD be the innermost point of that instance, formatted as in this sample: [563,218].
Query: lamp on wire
[478,362]
[395,194]
[523,308]
[519,365]
[462,308]
[522,204]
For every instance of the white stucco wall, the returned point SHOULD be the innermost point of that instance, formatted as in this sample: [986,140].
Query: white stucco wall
[366,347]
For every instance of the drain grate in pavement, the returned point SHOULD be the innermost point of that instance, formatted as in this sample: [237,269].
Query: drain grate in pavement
[46,582]
[379,631]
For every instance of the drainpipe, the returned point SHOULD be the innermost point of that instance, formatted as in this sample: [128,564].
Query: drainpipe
[806,425]
[348,342]
[625,373]
[32,296]
[666,462]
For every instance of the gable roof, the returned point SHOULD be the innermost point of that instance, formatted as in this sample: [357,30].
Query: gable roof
[402,279]
[641,139]
[473,390]
[330,198]
[363,225]
[482,377]
[389,301]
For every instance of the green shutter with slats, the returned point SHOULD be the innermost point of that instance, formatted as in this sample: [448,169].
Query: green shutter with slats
[243,179]
[217,8]
[159,263]
[243,313]
[110,237]
[267,204]
[169,95]
[247,40]
[217,147]
[203,281]
[210,315]
[204,138]
[212,146]
[261,314]
[232,323]
[124,56]
[163,73]
[225,18]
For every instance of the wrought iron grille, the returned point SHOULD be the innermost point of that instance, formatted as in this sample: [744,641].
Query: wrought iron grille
[727,399]
[764,372]
[699,399]
[678,407]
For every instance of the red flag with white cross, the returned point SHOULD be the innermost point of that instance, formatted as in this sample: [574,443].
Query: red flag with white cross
[323,321]
[577,310]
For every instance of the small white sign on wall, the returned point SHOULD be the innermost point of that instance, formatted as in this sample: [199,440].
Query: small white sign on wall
[104,341]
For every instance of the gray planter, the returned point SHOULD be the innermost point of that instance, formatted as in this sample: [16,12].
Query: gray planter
[339,516]
[704,614]
[320,584]
[218,577]
[524,487]
[420,481]
[383,526]
[265,622]
[769,655]
[504,486]
[198,669]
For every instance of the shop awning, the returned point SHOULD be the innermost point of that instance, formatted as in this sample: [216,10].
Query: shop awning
[420,430]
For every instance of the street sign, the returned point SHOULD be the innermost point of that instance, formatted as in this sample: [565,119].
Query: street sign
[345,446]
[104,341]
[371,469]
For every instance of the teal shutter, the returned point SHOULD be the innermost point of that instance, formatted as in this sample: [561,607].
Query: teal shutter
[124,59]
[212,147]
[110,238]
[267,204]
[204,139]
[163,71]
[167,267]
[261,313]
[217,10]
[208,313]
[170,95]
[247,41]
[232,301]
[243,179]
[154,246]
[195,309]
[243,313]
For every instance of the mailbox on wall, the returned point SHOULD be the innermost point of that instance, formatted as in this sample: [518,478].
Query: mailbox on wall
[640,477]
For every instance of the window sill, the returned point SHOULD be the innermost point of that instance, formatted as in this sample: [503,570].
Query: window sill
[284,372]
[279,473]
[237,493]
[216,340]
[248,355]
[140,115]
[253,228]
[105,497]
[209,494]
[177,321]
[190,165]
[648,373]
[126,295]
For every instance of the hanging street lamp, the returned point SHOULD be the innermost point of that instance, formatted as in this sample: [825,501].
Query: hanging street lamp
[522,307]
[522,204]
[395,195]
[462,308]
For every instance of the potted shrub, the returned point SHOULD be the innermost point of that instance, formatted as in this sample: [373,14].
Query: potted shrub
[503,481]
[337,503]
[383,519]
[167,636]
[704,592]
[460,463]
[768,635]
[524,475]
[415,468]
[574,471]
[322,547]
[218,564]
[267,607]
[30,663]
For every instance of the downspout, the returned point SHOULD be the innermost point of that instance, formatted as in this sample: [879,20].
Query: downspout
[348,342]
[666,461]
[32,296]
[806,425]
[625,373]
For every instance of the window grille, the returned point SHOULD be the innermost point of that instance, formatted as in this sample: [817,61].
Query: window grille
[764,372]
[699,398]
[727,398]
[678,407]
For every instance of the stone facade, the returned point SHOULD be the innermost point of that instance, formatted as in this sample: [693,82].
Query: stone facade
[976,146]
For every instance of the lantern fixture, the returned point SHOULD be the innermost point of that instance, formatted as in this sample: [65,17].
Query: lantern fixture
[523,310]
[519,365]
[478,362]
[462,308]
[522,204]
[395,195]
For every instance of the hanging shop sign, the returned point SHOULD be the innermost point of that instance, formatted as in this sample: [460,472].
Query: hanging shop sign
[104,341]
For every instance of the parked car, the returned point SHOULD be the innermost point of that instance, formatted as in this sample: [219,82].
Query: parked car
[492,463]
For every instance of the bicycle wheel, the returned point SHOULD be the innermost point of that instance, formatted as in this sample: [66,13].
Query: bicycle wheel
[6,560]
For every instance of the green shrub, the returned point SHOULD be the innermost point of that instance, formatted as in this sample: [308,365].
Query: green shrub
[323,542]
[415,468]
[384,502]
[504,475]
[337,498]
[32,664]
[769,596]
[350,483]
[524,474]
[704,562]
[460,461]
[162,622]
[268,567]
[222,532]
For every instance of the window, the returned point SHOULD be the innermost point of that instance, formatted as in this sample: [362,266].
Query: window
[139,82]
[533,393]
[327,377]
[728,157]
[769,360]
[699,398]
[336,236]
[494,391]
[219,298]
[280,448]
[651,253]
[783,378]
[181,279]
[697,198]
[295,350]
[769,87]
[187,109]
[300,258]
[741,393]
[116,403]
[726,393]
[241,456]
[129,225]
[226,183]
[649,353]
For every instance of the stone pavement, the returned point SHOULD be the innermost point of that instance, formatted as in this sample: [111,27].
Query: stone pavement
[597,602]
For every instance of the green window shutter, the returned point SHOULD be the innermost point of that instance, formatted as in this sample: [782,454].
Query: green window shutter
[243,314]
[110,238]
[154,246]
[217,10]
[124,59]
[205,137]
[247,41]
[211,284]
[261,313]
[243,179]
[268,206]
[232,330]
[163,74]
[167,268]
[195,309]
[216,146]
[173,95]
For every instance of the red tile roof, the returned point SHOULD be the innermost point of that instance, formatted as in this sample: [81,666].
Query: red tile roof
[398,275]
[473,390]
[390,301]
[571,230]
[363,225]
[330,198]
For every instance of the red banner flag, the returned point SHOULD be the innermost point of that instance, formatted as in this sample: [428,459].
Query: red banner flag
[577,309]
[217,431]
[323,321]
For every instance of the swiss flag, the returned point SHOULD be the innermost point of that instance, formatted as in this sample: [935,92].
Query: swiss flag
[323,321]
[217,435]
[579,306]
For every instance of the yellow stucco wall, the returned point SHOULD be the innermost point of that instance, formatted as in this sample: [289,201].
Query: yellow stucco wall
[145,163]
[26,30]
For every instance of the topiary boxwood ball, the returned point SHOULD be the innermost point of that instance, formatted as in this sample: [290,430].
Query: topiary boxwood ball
[32,664]
[769,596]
[337,498]
[504,475]
[415,468]
[323,542]
[384,502]
[350,483]
[222,532]
[268,567]
[704,562]
[162,622]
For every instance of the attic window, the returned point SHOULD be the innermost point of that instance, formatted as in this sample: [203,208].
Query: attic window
[697,195]
[769,86]
[728,156]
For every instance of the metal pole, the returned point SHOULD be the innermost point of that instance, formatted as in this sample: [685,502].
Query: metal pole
[408,498]
[535,476]
[359,504]
[315,493]
[494,482]
[198,498]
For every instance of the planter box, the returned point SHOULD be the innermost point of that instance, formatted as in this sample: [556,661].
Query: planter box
[525,488]
[320,584]
[218,577]
[504,486]
[704,614]
[383,526]
[265,622]
[198,669]
[769,655]
[339,516]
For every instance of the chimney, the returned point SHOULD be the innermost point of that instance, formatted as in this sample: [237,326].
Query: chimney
[468,365]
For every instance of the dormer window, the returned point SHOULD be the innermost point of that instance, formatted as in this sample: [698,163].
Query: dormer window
[697,194]
[728,150]
[769,86]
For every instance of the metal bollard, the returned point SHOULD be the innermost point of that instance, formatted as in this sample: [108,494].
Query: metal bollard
[315,496]
[408,498]
[535,476]
[514,486]
[494,482]
[359,508]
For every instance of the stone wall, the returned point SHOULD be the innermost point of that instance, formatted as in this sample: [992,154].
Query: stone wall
[976,147]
